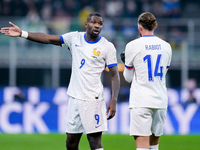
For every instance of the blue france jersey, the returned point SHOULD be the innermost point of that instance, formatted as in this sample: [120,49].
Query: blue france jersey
[88,62]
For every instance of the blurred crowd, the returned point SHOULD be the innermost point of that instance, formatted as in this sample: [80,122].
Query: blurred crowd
[60,16]
[46,9]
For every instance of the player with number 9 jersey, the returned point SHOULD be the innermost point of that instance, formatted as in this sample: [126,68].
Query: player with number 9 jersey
[87,111]
[88,61]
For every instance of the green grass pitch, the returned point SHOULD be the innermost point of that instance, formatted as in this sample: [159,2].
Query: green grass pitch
[110,142]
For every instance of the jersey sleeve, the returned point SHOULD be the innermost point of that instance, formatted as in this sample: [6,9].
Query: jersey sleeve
[111,59]
[129,56]
[66,39]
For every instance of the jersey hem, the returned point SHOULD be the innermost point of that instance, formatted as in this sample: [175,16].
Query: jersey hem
[87,99]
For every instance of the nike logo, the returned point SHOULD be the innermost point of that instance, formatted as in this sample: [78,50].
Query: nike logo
[97,126]
[77,45]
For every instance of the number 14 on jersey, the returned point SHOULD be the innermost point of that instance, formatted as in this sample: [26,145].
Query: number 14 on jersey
[158,70]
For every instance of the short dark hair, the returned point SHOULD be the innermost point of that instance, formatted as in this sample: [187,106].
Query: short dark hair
[93,14]
[148,21]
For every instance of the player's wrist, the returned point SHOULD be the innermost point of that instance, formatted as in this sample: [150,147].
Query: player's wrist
[24,34]
[114,99]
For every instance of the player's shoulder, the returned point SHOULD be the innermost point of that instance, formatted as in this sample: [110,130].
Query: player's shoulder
[73,34]
[166,45]
[162,40]
[107,43]
[133,42]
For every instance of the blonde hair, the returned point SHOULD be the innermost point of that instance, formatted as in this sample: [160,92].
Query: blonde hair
[148,21]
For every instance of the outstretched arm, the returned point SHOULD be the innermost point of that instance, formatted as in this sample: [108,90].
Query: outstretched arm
[115,81]
[15,31]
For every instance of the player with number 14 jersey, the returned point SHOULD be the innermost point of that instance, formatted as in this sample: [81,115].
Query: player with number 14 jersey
[150,56]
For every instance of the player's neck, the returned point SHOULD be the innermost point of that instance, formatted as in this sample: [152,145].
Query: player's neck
[91,38]
[147,33]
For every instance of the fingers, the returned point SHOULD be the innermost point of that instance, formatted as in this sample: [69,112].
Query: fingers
[11,23]
[107,111]
[13,31]
[4,30]
[111,115]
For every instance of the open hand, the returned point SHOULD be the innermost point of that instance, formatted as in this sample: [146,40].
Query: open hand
[13,31]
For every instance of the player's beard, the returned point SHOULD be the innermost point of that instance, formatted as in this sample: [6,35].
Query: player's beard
[93,35]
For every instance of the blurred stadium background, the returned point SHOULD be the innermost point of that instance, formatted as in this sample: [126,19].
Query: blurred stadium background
[34,77]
